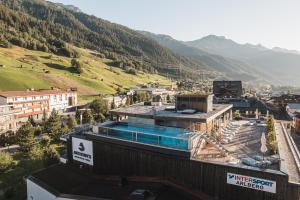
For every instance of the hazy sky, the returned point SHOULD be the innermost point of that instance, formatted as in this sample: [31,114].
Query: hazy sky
[268,22]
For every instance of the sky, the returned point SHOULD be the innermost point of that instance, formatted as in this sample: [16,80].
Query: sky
[272,23]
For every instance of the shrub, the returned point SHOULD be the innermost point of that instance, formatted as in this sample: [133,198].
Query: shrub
[5,44]
[6,161]
[36,153]
[71,122]
[131,71]
[51,156]
[87,117]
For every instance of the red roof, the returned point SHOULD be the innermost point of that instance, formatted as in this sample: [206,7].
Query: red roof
[31,93]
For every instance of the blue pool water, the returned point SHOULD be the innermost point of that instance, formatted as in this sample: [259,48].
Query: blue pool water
[155,130]
[157,135]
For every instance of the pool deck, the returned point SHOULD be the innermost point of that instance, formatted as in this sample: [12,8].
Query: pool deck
[160,112]
[246,143]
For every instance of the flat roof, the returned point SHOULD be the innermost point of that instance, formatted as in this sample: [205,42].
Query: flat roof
[32,93]
[68,181]
[140,110]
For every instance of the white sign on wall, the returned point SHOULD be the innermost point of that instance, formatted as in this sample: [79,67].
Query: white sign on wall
[251,182]
[82,150]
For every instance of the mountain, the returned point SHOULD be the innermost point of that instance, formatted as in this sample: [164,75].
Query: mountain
[48,27]
[284,67]
[232,68]
[69,7]
[22,69]
[221,46]
[282,50]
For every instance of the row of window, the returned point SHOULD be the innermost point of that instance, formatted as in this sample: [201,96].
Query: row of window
[61,96]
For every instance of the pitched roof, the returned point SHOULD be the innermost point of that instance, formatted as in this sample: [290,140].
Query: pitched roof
[294,106]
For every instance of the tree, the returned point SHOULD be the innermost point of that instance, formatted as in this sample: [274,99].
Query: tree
[5,44]
[7,139]
[77,66]
[77,116]
[71,122]
[51,156]
[31,121]
[87,117]
[64,129]
[135,98]
[270,124]
[44,119]
[53,126]
[113,105]
[6,161]
[168,99]
[128,100]
[45,142]
[36,153]
[271,136]
[25,137]
[99,109]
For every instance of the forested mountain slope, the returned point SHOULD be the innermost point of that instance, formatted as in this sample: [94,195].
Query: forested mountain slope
[45,26]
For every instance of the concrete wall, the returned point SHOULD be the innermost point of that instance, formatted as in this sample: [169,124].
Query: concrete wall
[36,192]
[3,101]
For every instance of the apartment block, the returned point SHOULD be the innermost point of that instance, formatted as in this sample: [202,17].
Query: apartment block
[33,103]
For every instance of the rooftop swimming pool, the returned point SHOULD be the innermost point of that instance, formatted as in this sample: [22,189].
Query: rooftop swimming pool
[172,137]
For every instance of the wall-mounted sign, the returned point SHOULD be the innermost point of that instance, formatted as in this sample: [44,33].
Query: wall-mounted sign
[251,182]
[82,151]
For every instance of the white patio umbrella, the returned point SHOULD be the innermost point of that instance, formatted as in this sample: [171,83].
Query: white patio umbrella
[263,147]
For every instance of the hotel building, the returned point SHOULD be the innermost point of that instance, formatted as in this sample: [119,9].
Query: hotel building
[20,105]
[147,152]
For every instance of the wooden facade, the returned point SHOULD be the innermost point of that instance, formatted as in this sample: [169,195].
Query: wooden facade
[296,123]
[116,157]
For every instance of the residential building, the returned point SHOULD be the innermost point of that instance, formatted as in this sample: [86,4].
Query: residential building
[296,123]
[34,103]
[7,118]
[247,107]
[227,89]
[162,92]
[293,109]
[118,100]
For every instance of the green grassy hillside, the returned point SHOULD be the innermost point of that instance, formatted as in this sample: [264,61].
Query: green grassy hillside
[23,69]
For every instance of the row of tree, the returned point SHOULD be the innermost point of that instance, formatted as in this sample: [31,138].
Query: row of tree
[271,136]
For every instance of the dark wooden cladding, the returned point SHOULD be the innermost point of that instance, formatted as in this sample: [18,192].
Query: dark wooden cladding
[113,158]
[293,191]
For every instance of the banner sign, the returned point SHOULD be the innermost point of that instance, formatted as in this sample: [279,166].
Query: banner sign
[82,150]
[251,182]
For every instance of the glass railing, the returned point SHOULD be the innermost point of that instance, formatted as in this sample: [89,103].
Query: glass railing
[148,138]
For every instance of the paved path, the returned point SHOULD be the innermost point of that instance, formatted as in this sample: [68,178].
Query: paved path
[286,155]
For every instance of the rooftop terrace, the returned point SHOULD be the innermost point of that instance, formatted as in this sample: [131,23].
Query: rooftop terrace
[157,112]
